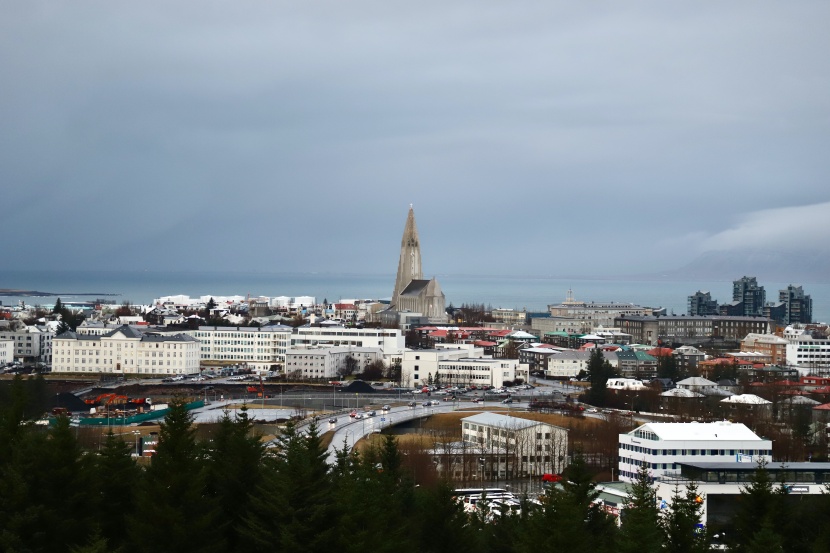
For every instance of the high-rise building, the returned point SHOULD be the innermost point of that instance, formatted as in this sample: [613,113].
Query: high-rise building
[798,305]
[701,303]
[753,297]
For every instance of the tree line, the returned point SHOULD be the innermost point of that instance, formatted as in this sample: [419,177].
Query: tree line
[229,493]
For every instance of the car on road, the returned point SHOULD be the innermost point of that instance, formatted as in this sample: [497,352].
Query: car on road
[385,408]
[592,410]
[477,400]
[426,403]
[358,416]
[412,404]
[353,414]
[333,420]
[508,400]
[371,414]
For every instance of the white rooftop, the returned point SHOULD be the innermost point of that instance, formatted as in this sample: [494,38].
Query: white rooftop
[693,431]
[747,399]
[500,421]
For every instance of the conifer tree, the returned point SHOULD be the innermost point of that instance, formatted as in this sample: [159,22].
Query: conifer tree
[291,510]
[682,522]
[234,460]
[570,519]
[640,531]
[761,504]
[117,479]
[174,503]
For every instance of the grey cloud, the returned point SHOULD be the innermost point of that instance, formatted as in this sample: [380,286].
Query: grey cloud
[200,123]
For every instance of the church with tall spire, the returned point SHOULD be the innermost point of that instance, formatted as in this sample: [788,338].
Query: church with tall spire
[412,292]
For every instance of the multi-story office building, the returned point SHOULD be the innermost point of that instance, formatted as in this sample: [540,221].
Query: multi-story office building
[126,350]
[480,371]
[810,354]
[261,348]
[745,291]
[798,305]
[701,303]
[518,447]
[510,316]
[391,341]
[583,317]
[328,362]
[690,329]
[663,445]
[420,365]
[774,348]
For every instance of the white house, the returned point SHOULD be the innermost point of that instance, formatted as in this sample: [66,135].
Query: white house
[662,445]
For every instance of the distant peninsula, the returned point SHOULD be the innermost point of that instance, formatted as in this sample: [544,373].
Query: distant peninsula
[13,292]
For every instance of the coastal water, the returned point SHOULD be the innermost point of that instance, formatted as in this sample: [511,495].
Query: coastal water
[531,293]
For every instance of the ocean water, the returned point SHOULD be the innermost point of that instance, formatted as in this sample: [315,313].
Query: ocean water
[532,293]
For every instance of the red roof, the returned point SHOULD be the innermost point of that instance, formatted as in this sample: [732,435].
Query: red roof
[825,407]
[660,352]
[484,343]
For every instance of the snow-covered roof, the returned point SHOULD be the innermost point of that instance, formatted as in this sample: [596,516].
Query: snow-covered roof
[692,431]
[681,392]
[747,399]
[695,381]
[500,421]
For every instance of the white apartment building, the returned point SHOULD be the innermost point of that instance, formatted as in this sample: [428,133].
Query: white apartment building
[662,445]
[259,347]
[328,362]
[6,351]
[391,341]
[32,344]
[126,350]
[418,365]
[479,371]
[519,446]
[810,355]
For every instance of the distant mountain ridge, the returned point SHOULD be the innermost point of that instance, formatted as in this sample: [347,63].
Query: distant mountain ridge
[795,267]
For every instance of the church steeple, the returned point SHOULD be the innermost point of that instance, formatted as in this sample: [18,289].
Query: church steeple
[409,264]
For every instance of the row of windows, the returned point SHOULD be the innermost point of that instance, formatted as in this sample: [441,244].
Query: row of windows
[702,452]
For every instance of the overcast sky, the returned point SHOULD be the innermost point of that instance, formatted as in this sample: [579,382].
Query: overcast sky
[532,137]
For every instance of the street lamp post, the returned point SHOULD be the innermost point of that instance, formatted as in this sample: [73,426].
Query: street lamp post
[136,433]
[481,473]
